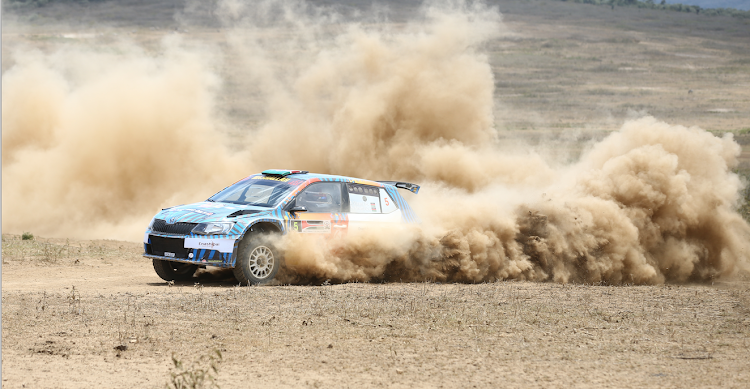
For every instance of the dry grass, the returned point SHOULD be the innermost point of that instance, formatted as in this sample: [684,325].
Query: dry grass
[55,250]
[516,334]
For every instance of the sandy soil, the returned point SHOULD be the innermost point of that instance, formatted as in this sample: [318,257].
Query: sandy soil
[68,307]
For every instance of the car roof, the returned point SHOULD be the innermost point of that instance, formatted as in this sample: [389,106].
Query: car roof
[329,177]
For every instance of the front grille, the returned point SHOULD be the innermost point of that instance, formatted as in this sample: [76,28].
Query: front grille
[175,229]
[159,245]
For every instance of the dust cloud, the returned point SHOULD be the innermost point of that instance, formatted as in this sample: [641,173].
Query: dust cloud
[652,203]
[94,144]
[94,141]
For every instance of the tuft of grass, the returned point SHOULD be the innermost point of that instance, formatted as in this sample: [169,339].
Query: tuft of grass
[27,236]
[202,373]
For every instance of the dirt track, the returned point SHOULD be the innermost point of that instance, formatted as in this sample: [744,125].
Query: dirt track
[511,334]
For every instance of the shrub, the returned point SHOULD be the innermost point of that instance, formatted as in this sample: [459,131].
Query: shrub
[201,374]
[671,7]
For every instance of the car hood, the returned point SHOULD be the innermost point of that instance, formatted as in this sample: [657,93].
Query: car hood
[209,212]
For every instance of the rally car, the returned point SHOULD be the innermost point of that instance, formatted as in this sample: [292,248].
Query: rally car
[232,228]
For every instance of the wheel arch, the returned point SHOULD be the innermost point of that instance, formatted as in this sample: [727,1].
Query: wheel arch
[266,226]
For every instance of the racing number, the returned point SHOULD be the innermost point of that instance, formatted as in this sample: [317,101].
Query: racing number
[386,202]
[297,226]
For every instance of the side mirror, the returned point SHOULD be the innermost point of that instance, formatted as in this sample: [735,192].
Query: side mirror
[298,208]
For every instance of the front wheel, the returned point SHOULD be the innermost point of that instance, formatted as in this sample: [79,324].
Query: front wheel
[174,271]
[257,260]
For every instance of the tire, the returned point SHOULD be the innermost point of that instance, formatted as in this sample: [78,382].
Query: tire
[257,260]
[174,271]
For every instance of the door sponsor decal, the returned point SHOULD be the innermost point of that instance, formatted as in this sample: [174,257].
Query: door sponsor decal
[315,226]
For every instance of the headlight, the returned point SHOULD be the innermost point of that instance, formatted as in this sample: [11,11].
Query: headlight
[213,228]
[151,225]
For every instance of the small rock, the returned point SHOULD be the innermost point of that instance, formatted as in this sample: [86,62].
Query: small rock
[330,346]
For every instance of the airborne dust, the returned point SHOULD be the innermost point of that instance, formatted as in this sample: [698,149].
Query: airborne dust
[95,141]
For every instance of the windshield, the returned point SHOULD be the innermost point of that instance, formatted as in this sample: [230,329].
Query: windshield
[261,191]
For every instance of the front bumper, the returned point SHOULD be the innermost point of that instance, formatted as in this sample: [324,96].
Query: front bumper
[211,250]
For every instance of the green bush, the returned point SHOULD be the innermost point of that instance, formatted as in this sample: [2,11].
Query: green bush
[670,7]
[27,236]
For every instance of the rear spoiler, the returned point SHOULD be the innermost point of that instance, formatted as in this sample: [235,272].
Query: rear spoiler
[414,188]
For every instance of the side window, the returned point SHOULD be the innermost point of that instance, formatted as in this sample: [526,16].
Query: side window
[363,198]
[321,197]
[386,202]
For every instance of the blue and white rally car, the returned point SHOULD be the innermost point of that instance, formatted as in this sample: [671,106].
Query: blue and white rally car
[232,228]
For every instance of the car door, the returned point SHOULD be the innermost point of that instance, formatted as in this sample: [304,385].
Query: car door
[370,206]
[325,204]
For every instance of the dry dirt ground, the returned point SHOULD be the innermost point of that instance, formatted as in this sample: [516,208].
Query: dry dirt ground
[91,314]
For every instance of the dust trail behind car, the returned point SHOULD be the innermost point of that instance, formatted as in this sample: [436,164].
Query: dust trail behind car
[650,204]
[95,141]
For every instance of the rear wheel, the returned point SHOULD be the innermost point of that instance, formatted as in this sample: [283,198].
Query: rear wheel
[257,260]
[174,271]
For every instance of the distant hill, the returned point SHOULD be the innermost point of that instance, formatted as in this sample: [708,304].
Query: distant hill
[736,4]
